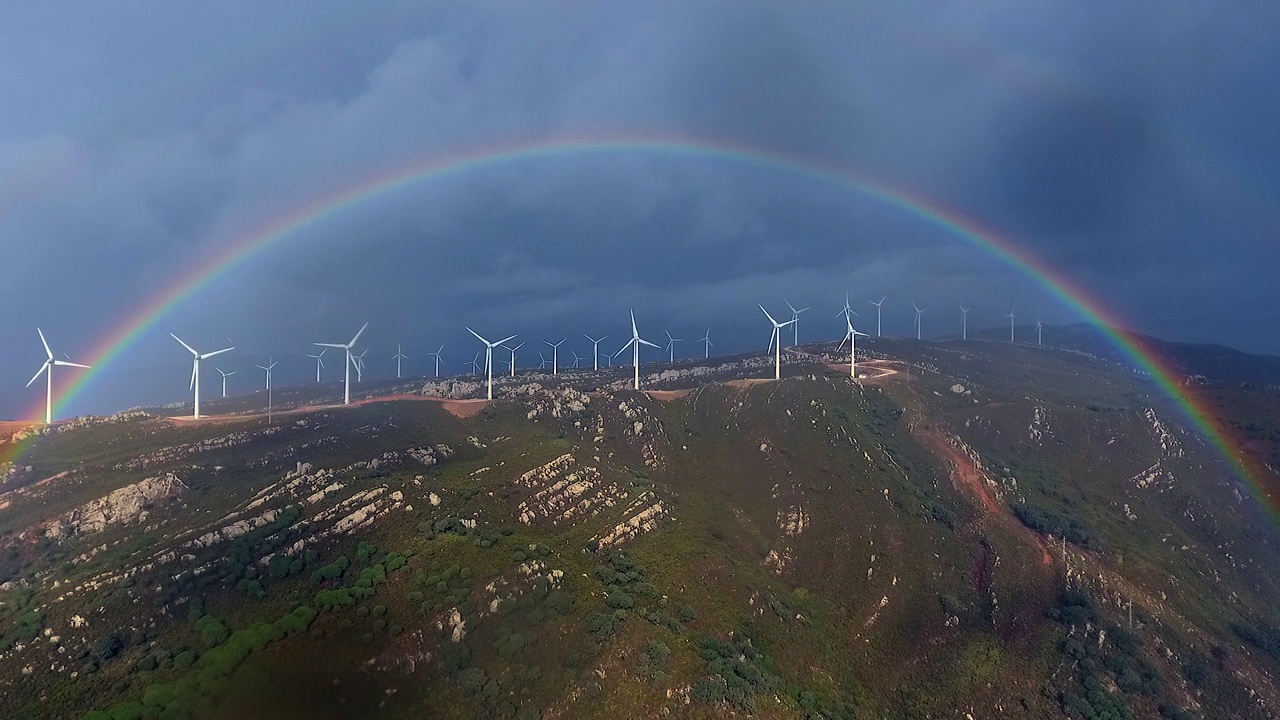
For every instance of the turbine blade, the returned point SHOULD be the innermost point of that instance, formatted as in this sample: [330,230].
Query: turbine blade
[216,352]
[329,345]
[357,337]
[624,347]
[766,314]
[188,347]
[43,367]
[509,339]
[68,363]
[473,332]
[45,343]
[194,366]
[646,342]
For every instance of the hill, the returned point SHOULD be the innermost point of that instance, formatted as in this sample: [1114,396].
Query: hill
[972,529]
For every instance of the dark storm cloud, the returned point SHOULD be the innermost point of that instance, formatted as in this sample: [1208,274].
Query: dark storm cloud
[142,143]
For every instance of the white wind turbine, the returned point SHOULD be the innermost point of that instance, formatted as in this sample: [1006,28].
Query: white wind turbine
[195,369]
[1010,316]
[268,367]
[576,360]
[595,350]
[225,375]
[47,369]
[795,323]
[878,304]
[488,355]
[775,342]
[555,355]
[919,325]
[513,358]
[1039,333]
[436,354]
[671,347]
[475,364]
[634,343]
[359,363]
[346,382]
[610,358]
[706,344]
[398,357]
[964,323]
[542,361]
[852,336]
[319,362]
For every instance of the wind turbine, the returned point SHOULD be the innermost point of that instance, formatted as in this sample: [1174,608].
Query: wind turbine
[513,358]
[398,357]
[346,382]
[1010,316]
[634,343]
[359,361]
[847,309]
[555,355]
[542,361]
[775,341]
[576,360]
[795,320]
[852,336]
[488,355]
[610,358]
[319,362]
[964,323]
[919,325]
[475,364]
[226,375]
[1039,333]
[437,356]
[595,350]
[195,369]
[671,347]
[47,368]
[270,364]
[706,344]
[878,304]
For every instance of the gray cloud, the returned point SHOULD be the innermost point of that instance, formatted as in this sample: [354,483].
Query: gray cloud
[1116,143]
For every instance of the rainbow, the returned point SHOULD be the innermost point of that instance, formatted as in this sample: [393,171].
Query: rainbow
[241,249]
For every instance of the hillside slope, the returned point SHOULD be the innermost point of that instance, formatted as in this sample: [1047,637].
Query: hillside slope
[972,530]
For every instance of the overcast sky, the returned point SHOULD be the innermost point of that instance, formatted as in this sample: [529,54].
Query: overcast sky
[1132,147]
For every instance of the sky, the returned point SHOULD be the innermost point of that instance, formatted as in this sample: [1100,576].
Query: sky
[1131,147]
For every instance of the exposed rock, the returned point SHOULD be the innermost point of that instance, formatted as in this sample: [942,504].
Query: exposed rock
[125,505]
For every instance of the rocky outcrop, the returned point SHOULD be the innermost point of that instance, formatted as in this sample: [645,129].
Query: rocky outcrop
[127,505]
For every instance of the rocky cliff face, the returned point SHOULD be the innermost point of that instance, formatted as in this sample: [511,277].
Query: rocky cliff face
[127,505]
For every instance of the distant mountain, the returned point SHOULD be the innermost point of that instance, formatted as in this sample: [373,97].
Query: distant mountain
[972,530]
[1216,363]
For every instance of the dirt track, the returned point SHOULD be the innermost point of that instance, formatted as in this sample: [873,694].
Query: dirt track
[458,408]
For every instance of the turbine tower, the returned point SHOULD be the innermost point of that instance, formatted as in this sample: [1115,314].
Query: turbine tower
[195,369]
[634,343]
[919,325]
[852,336]
[488,355]
[346,382]
[706,344]
[398,357]
[47,368]
[226,375]
[1039,333]
[795,323]
[775,342]
[595,350]
[878,304]
[964,323]
[671,347]
[270,364]
[319,362]
[437,356]
[1010,316]
[555,355]
[610,358]
[513,358]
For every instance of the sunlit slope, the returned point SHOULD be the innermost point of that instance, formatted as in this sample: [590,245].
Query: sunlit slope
[803,548]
